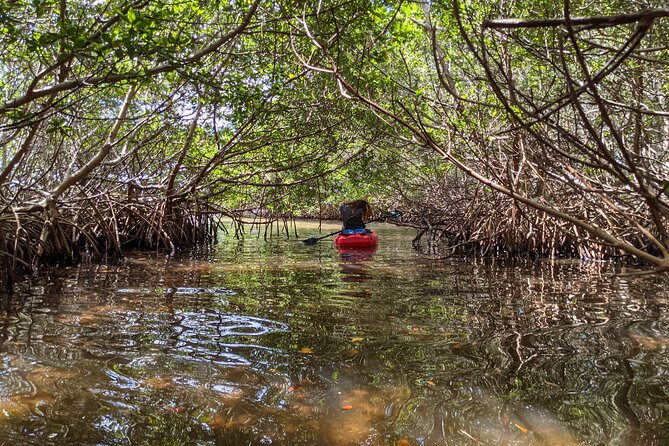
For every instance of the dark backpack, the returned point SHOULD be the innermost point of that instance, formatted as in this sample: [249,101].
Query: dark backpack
[354,222]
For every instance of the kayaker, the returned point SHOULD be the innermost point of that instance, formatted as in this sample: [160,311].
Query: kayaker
[353,215]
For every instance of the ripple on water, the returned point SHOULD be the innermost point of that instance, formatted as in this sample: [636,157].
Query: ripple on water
[120,379]
[223,325]
[12,383]
[215,291]
[314,348]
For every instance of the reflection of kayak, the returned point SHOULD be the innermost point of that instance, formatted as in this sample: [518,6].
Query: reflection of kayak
[358,240]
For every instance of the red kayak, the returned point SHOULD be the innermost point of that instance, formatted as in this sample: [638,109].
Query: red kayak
[362,240]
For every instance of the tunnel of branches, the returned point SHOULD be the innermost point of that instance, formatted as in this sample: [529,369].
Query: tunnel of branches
[144,125]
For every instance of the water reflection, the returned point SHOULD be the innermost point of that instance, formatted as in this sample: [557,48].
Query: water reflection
[281,343]
[355,263]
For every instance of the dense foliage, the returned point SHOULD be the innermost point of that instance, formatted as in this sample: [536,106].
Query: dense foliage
[131,123]
[558,125]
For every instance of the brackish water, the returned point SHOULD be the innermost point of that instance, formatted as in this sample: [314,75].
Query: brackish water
[255,342]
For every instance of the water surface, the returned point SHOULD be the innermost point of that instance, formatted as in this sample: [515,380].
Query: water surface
[255,342]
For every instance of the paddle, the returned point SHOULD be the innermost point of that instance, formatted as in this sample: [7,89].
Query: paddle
[313,240]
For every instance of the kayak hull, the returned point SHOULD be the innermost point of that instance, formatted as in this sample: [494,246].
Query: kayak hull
[357,241]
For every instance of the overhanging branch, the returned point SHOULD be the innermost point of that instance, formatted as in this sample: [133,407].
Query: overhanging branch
[590,22]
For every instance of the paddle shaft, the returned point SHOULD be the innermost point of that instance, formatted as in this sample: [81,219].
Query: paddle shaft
[313,240]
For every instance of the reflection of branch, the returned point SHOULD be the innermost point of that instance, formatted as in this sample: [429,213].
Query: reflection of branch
[590,22]
[622,402]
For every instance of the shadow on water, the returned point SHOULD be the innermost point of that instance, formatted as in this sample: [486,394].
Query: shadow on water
[281,343]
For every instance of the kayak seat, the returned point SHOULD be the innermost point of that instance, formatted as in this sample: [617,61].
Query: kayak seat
[354,231]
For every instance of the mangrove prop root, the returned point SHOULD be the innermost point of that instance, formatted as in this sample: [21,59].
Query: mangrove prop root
[66,234]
